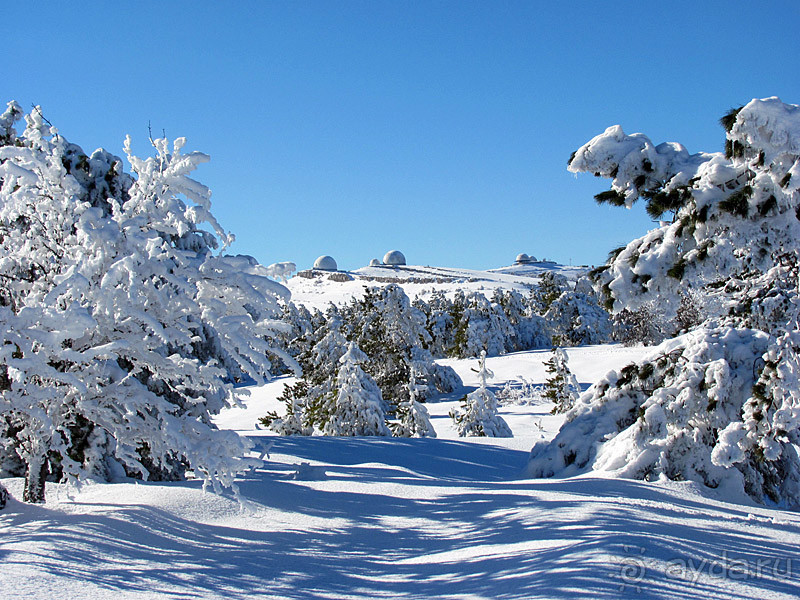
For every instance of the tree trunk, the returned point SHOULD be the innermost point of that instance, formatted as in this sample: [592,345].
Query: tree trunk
[34,481]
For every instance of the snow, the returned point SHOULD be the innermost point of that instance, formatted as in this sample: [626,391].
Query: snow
[345,518]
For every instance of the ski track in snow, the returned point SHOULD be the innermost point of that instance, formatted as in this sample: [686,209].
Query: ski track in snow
[402,518]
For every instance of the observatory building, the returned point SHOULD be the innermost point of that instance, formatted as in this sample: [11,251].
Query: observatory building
[325,263]
[394,258]
[523,259]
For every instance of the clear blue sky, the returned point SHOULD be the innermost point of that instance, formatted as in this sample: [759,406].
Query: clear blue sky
[438,128]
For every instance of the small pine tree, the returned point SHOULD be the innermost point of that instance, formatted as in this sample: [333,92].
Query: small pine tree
[356,406]
[3,497]
[294,422]
[562,387]
[414,419]
[478,415]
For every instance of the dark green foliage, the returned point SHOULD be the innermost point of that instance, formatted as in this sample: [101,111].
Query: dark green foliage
[737,203]
[702,250]
[729,118]
[595,273]
[646,371]
[768,205]
[571,158]
[677,270]
[611,197]
[613,254]
[733,149]
[785,180]
[659,201]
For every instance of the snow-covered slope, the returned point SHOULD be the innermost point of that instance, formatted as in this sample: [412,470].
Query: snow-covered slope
[318,288]
[346,518]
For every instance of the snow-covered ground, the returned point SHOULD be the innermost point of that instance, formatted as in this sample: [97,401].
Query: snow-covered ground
[422,281]
[402,518]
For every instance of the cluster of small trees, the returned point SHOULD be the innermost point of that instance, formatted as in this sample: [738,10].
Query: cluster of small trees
[366,369]
[122,324]
[719,403]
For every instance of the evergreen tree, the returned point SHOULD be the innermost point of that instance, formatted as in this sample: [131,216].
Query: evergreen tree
[561,387]
[355,406]
[414,420]
[478,415]
[550,287]
[122,323]
[718,404]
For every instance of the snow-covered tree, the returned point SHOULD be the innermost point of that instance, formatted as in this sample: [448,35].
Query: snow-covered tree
[356,406]
[728,217]
[645,325]
[575,319]
[561,387]
[548,290]
[413,417]
[718,404]
[478,415]
[123,325]
[3,496]
[392,333]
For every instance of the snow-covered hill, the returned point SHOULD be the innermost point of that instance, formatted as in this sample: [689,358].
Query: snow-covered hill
[316,289]
[351,518]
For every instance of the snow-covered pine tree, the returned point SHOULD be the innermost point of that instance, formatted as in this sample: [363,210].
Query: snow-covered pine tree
[3,496]
[295,419]
[119,320]
[715,405]
[309,400]
[550,287]
[355,406]
[392,334]
[561,387]
[413,417]
[728,216]
[763,445]
[478,415]
[575,319]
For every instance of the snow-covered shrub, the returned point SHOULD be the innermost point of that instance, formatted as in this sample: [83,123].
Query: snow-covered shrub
[123,325]
[719,404]
[677,416]
[561,387]
[478,415]
[390,333]
[645,325]
[3,497]
[524,392]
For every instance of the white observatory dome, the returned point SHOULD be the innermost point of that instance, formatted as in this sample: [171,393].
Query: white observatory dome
[374,263]
[325,263]
[394,258]
[523,259]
